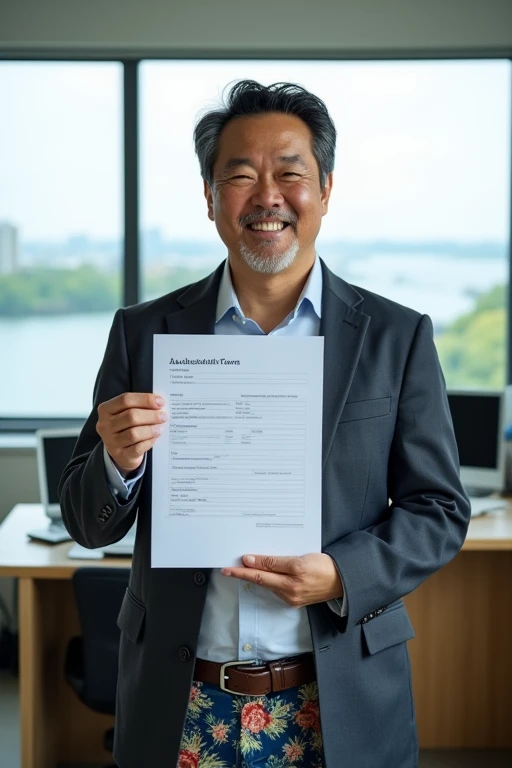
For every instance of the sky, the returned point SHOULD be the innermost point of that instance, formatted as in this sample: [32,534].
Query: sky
[423,147]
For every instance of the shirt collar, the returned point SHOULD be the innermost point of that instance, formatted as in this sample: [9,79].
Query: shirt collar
[227,299]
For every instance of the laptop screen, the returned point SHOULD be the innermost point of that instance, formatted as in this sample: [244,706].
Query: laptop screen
[57,453]
[55,448]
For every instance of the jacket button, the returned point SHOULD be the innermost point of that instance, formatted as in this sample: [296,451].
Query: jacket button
[199,578]
[184,653]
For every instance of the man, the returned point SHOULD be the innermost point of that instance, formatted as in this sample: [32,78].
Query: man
[329,631]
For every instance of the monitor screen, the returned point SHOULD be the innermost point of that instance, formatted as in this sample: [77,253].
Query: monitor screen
[478,425]
[57,450]
[476,421]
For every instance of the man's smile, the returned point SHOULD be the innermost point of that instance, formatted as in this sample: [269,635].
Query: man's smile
[268,226]
[267,230]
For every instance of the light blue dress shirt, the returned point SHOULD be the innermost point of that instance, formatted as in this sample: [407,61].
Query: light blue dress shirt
[244,621]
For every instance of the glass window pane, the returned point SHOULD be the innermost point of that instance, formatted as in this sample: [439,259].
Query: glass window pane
[60,231]
[420,207]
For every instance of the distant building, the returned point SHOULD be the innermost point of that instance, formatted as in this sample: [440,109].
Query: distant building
[9,248]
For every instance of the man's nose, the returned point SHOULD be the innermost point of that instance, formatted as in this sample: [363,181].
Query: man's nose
[266,194]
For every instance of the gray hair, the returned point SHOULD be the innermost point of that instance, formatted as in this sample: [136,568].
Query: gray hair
[248,97]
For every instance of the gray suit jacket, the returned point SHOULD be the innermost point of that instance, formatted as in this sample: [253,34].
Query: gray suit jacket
[387,434]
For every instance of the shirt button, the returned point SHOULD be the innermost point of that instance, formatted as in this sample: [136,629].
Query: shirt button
[247,647]
[247,587]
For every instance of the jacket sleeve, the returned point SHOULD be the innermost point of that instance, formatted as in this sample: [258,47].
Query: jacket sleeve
[426,523]
[93,514]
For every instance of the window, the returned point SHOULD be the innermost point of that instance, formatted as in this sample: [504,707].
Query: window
[60,231]
[420,210]
[420,207]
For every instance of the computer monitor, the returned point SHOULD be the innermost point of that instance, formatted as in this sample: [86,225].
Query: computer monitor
[54,450]
[479,424]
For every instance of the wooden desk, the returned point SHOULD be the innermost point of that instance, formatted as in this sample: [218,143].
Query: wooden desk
[461,657]
[55,725]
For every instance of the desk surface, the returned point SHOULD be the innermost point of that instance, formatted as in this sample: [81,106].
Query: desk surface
[20,556]
[23,557]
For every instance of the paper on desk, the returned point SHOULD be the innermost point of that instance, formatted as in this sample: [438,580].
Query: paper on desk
[238,468]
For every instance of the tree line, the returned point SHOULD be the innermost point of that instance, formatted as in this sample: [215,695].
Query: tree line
[472,349]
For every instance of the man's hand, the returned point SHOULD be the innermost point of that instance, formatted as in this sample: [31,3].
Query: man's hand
[299,581]
[129,425]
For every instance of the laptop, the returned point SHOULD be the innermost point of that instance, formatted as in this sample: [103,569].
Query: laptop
[54,448]
[122,548]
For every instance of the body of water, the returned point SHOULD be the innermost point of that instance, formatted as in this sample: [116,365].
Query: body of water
[49,364]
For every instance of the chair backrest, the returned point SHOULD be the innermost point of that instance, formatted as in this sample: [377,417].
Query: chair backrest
[99,593]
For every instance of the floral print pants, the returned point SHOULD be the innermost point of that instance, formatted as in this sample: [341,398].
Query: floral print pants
[279,730]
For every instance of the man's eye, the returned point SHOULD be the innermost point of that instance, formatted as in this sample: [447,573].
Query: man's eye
[240,180]
[291,173]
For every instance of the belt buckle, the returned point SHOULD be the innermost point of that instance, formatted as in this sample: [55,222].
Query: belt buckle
[224,677]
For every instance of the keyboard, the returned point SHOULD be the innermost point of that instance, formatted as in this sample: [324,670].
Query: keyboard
[480,505]
[54,533]
[77,552]
[121,548]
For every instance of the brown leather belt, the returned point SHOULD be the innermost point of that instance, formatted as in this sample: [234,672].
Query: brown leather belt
[251,679]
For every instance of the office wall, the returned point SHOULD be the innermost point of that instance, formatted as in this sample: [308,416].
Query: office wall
[18,478]
[160,26]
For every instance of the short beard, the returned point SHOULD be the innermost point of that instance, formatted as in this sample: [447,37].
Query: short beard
[269,264]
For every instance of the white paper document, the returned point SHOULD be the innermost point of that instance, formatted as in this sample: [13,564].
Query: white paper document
[237,469]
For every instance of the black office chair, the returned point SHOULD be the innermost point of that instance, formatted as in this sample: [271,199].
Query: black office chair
[91,660]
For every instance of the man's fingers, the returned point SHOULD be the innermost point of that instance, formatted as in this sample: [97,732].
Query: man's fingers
[130,400]
[272,563]
[274,581]
[129,425]
[284,586]
[135,435]
[136,417]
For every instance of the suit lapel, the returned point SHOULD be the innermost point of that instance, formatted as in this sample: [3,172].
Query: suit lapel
[344,329]
[198,307]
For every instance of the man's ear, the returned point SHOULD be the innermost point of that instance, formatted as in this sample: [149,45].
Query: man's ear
[325,193]
[209,199]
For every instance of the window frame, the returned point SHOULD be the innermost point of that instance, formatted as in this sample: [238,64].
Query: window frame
[131,229]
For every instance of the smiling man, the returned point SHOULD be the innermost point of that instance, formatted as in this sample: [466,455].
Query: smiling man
[285,661]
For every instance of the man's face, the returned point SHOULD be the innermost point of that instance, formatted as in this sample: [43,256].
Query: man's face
[266,199]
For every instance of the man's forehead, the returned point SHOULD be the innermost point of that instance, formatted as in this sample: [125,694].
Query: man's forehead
[276,128]
[281,138]
[235,162]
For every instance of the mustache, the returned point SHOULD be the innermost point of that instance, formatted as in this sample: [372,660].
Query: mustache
[251,218]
